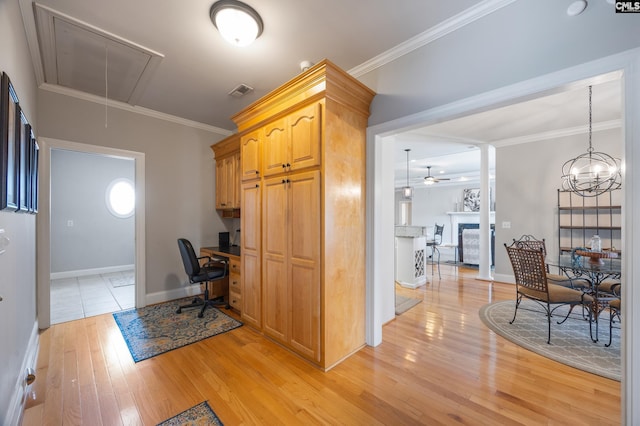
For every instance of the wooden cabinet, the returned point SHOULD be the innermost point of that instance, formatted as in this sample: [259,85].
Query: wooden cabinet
[305,286]
[227,156]
[293,142]
[251,251]
[291,261]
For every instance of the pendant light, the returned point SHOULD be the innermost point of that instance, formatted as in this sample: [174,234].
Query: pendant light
[407,191]
[592,173]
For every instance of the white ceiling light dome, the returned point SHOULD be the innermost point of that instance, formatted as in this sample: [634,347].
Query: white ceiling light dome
[238,23]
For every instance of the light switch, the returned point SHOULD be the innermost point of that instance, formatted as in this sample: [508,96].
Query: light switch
[506,225]
[70,223]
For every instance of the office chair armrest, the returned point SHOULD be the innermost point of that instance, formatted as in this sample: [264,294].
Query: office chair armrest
[205,257]
[217,261]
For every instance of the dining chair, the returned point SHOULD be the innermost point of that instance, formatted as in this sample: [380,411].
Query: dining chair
[533,243]
[615,309]
[530,274]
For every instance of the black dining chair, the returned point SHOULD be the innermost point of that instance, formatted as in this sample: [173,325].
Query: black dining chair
[212,270]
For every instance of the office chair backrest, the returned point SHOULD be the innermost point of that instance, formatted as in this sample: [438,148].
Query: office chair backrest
[189,258]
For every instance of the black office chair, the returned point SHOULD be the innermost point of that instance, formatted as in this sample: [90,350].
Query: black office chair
[434,243]
[210,271]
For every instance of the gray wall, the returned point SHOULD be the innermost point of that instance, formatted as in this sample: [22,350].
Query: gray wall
[17,264]
[527,180]
[97,238]
[179,175]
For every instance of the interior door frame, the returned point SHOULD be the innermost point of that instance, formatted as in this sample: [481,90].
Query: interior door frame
[43,221]
[380,187]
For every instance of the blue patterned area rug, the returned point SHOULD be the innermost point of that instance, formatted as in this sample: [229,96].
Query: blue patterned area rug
[157,329]
[571,343]
[201,414]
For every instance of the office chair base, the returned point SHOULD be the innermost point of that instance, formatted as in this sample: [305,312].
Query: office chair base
[203,304]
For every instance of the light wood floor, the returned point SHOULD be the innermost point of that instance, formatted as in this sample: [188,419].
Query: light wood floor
[438,364]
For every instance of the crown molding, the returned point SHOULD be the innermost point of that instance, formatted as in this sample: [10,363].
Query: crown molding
[454,23]
[560,133]
[134,109]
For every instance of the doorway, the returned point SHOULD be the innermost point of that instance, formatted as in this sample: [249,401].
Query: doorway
[92,234]
[72,244]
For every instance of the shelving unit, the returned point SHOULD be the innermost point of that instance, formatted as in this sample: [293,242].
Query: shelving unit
[580,218]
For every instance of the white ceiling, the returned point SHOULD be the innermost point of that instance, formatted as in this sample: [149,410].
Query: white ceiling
[197,69]
[169,58]
[451,147]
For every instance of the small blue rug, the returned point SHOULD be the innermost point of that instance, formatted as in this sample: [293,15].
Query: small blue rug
[157,329]
[201,414]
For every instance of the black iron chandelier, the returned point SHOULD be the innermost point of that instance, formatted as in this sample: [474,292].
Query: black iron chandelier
[592,173]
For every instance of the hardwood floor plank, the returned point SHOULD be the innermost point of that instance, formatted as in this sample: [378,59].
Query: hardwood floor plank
[438,364]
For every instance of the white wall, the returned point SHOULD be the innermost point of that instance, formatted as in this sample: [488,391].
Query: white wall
[179,176]
[18,330]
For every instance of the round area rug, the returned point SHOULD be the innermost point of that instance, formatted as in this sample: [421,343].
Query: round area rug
[570,341]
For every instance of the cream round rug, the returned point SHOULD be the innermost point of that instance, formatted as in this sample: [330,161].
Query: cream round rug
[570,341]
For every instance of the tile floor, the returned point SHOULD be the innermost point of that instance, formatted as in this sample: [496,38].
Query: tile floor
[86,296]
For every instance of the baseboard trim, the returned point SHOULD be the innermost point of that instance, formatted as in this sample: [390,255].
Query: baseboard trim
[504,278]
[165,296]
[92,271]
[15,412]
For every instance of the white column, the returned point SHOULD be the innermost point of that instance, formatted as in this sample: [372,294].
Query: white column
[484,268]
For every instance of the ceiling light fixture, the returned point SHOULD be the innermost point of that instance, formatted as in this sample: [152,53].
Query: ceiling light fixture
[592,173]
[238,23]
[407,191]
[576,8]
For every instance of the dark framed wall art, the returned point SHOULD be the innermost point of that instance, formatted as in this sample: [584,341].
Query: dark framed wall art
[19,153]
[9,116]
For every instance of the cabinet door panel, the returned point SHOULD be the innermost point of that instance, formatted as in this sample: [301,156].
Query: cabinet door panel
[304,263]
[221,184]
[251,298]
[274,148]
[274,267]
[250,155]
[250,276]
[305,136]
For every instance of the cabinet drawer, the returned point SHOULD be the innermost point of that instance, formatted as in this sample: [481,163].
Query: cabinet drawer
[234,266]
[234,283]
[235,300]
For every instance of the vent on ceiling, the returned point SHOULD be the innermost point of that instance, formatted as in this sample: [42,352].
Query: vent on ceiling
[240,90]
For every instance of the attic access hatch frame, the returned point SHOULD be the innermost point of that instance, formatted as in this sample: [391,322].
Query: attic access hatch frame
[62,37]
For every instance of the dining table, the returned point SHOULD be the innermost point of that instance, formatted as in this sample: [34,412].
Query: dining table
[595,272]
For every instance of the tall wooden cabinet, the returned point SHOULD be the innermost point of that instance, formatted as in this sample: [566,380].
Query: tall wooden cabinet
[303,171]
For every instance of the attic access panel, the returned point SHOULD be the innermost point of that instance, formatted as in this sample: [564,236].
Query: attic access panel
[81,57]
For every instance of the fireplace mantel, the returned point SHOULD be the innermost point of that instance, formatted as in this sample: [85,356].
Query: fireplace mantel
[466,217]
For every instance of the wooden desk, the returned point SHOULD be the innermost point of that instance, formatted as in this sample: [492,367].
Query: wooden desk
[229,287]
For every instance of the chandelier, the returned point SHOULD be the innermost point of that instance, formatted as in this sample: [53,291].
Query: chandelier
[592,173]
[407,191]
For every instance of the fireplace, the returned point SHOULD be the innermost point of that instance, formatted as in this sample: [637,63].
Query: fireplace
[468,242]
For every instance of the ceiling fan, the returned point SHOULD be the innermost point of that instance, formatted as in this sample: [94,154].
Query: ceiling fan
[430,180]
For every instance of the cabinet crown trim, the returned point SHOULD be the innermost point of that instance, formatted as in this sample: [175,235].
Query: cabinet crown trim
[324,79]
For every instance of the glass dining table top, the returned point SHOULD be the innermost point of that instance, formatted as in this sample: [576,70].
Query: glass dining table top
[584,265]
